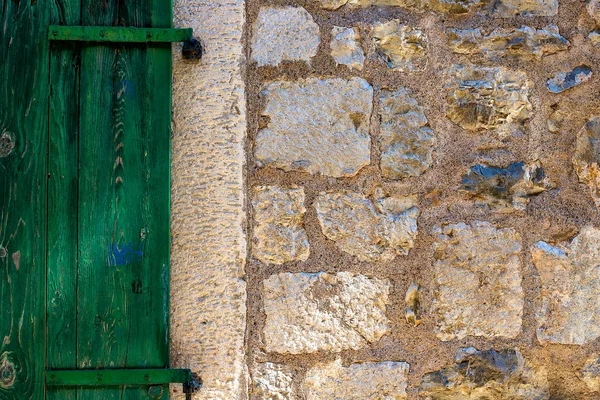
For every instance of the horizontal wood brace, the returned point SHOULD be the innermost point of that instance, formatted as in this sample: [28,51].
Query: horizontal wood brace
[119,34]
[118,377]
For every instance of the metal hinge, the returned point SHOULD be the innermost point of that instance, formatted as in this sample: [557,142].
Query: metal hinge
[192,48]
[127,377]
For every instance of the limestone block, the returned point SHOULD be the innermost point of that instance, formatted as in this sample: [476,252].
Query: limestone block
[525,8]
[406,140]
[590,373]
[323,312]
[279,235]
[562,80]
[371,229]
[364,381]
[272,381]
[477,281]
[487,98]
[570,275]
[587,157]
[284,33]
[525,43]
[345,47]
[316,125]
[489,375]
[400,46]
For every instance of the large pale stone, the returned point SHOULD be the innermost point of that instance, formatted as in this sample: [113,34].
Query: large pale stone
[364,381]
[272,381]
[487,98]
[570,275]
[345,47]
[477,281]
[371,229]
[279,234]
[590,373]
[328,312]
[406,140]
[401,47]
[525,43]
[586,159]
[284,33]
[487,375]
[525,8]
[316,125]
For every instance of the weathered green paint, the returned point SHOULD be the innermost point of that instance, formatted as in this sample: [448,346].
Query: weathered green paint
[23,157]
[118,34]
[116,377]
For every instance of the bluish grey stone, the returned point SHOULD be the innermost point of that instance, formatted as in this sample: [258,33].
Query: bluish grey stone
[566,80]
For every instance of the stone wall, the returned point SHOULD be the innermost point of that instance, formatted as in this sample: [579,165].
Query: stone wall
[422,184]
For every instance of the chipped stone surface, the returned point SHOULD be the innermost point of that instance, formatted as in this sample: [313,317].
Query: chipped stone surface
[371,229]
[590,373]
[566,80]
[570,275]
[587,157]
[477,281]
[487,98]
[400,46]
[331,139]
[489,375]
[328,312]
[525,8]
[346,48]
[272,381]
[406,141]
[364,381]
[279,235]
[284,33]
[412,299]
[524,43]
[506,189]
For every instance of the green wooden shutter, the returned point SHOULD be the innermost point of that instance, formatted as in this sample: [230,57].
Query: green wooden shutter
[85,128]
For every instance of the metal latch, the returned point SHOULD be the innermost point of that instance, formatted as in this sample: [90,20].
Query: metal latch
[192,48]
[127,377]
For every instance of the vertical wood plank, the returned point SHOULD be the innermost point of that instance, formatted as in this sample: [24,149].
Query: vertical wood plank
[23,156]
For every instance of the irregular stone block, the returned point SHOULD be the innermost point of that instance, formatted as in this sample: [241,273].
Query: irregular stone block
[375,229]
[489,375]
[284,33]
[566,80]
[406,140]
[401,47]
[525,8]
[586,158]
[506,189]
[570,311]
[590,374]
[477,281]
[345,47]
[279,234]
[487,98]
[316,125]
[525,43]
[364,381]
[323,312]
[272,381]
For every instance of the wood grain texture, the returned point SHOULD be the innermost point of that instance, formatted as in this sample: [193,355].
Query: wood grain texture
[23,155]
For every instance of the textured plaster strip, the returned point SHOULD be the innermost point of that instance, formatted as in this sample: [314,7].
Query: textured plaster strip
[208,292]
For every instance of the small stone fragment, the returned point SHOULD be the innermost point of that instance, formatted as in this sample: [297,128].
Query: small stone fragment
[365,381]
[566,80]
[506,189]
[272,381]
[279,234]
[316,125]
[570,311]
[586,159]
[555,120]
[594,38]
[489,375]
[593,7]
[590,374]
[6,145]
[525,8]
[487,98]
[525,43]
[477,281]
[284,33]
[323,312]
[401,47]
[406,140]
[371,229]
[413,304]
[345,47]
